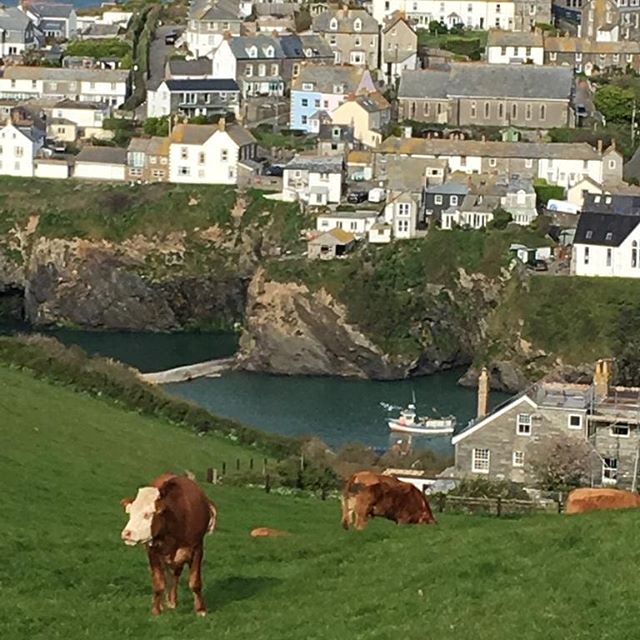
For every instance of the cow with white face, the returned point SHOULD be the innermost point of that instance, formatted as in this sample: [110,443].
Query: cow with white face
[141,512]
[170,518]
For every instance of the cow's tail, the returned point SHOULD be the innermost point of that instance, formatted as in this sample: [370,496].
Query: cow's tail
[213,517]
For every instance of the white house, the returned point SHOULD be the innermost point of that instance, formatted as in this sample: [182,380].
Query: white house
[18,148]
[88,117]
[475,212]
[316,180]
[380,233]
[209,154]
[54,20]
[208,22]
[101,163]
[19,33]
[607,244]
[508,47]
[356,222]
[110,86]
[401,213]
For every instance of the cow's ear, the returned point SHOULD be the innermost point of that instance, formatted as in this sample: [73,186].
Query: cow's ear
[126,504]
[160,506]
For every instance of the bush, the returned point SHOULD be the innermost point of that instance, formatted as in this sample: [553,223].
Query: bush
[483,488]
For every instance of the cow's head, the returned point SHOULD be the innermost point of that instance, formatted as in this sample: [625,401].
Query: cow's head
[426,517]
[141,516]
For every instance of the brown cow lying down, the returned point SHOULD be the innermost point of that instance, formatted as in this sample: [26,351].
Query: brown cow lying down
[581,500]
[367,494]
[268,532]
[171,517]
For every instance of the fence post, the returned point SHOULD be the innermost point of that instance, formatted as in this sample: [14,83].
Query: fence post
[209,475]
[237,464]
[560,505]
[264,466]
[224,468]
[215,476]
[251,464]
[441,502]
[267,483]
[499,507]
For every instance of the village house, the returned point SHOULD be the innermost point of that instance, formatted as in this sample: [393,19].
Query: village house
[474,212]
[54,20]
[608,20]
[588,56]
[264,65]
[181,69]
[84,85]
[18,148]
[563,164]
[352,34]
[498,445]
[278,17]
[380,233]
[359,167]
[402,212]
[609,197]
[329,245]
[87,117]
[315,180]
[447,195]
[197,97]
[333,139]
[209,154]
[356,222]
[398,47]
[513,47]
[367,115]
[512,15]
[148,160]
[606,245]
[324,88]
[101,163]
[19,34]
[208,22]
[526,96]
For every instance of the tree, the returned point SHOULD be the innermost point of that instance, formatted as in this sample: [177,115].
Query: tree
[562,462]
[626,346]
[437,28]
[501,218]
[614,103]
[156,126]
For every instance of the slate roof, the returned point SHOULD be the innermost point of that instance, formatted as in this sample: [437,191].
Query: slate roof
[305,46]
[373,102]
[441,147]
[103,155]
[226,10]
[202,84]
[489,80]
[50,10]
[605,229]
[199,67]
[500,38]
[198,134]
[76,104]
[241,45]
[155,146]
[325,77]
[624,204]
[586,45]
[449,188]
[346,19]
[317,164]
[52,25]
[61,74]
[12,19]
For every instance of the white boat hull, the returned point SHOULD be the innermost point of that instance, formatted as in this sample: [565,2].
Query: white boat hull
[417,429]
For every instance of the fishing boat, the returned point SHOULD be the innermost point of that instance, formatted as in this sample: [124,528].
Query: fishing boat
[409,422]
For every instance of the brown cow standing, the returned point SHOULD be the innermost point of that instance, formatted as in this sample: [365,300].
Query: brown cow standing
[367,494]
[581,500]
[171,517]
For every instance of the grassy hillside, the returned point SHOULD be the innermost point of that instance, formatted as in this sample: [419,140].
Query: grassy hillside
[66,460]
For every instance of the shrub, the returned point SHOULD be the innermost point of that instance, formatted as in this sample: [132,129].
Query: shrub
[483,488]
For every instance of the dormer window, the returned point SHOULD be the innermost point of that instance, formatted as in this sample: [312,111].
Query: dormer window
[333,25]
[307,86]
[252,52]
[338,88]
[269,52]
[357,24]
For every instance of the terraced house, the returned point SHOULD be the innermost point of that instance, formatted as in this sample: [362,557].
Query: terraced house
[525,96]
[587,56]
[208,22]
[352,34]
[499,445]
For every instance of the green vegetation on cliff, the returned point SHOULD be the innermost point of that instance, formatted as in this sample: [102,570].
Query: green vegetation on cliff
[67,460]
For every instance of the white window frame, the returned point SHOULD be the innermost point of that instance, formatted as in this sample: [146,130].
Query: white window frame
[517,459]
[610,470]
[475,468]
[524,420]
[620,426]
[570,426]
[437,199]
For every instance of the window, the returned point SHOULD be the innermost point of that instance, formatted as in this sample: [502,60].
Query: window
[425,108]
[473,109]
[516,52]
[523,424]
[437,199]
[586,255]
[357,57]
[358,41]
[634,254]
[574,421]
[262,70]
[528,163]
[500,110]
[274,69]
[183,153]
[224,155]
[333,25]
[503,51]
[19,152]
[480,460]
[497,8]
[608,256]
[492,162]
[486,109]
[183,171]
[543,112]
[514,110]
[527,112]
[620,430]
[518,458]
[453,201]
[578,57]
[248,70]
[304,102]
[201,158]
[553,56]
[404,209]
[357,24]
[609,470]
[612,164]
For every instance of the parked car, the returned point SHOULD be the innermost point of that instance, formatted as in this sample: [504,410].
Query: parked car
[356,197]
[581,111]
[540,265]
[274,170]
[171,37]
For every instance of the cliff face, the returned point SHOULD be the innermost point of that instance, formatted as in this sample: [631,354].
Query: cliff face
[290,329]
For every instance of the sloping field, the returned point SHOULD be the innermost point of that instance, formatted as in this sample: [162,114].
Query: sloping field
[67,459]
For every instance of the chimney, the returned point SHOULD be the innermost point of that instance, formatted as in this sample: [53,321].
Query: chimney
[483,392]
[222,123]
[600,146]
[602,377]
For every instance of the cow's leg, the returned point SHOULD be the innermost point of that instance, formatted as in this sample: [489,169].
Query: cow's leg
[172,591]
[195,581]
[157,581]
[346,516]
[362,512]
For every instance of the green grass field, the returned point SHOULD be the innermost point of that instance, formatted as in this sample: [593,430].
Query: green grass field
[66,460]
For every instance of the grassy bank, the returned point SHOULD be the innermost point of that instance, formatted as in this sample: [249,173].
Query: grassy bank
[67,459]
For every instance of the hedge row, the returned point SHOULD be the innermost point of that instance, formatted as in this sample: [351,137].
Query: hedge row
[49,359]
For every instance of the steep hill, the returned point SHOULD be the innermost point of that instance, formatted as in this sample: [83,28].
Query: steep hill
[66,459]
